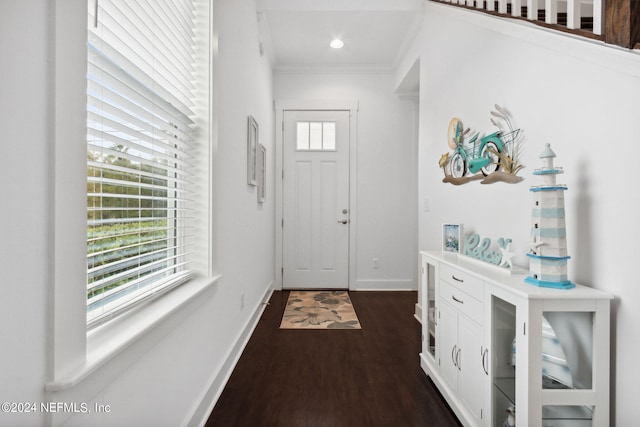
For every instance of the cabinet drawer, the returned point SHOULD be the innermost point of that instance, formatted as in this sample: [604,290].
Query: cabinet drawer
[465,282]
[462,301]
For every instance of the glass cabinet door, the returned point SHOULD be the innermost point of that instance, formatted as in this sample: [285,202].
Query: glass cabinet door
[428,288]
[503,361]
[558,364]
[567,364]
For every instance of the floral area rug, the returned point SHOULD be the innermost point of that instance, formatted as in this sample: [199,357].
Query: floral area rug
[319,310]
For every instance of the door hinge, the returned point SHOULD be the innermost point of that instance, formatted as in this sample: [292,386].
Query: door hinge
[524,328]
[282,225]
[283,126]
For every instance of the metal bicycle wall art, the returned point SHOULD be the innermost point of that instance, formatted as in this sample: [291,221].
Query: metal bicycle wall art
[490,158]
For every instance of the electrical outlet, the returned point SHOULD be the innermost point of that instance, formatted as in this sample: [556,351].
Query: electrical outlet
[376,263]
[241,300]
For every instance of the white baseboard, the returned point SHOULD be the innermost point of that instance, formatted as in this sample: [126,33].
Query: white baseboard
[209,397]
[383,285]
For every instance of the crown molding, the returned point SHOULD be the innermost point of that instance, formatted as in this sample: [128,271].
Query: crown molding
[333,69]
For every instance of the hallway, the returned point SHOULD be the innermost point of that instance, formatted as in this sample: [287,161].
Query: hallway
[369,377]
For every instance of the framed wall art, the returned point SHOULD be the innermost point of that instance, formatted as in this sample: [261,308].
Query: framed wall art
[452,238]
[252,151]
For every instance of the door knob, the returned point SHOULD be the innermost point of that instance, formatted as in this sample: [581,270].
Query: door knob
[344,221]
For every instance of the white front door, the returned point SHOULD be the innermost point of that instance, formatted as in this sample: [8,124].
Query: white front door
[315,200]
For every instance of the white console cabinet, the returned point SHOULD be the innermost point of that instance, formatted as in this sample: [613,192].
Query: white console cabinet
[460,318]
[491,342]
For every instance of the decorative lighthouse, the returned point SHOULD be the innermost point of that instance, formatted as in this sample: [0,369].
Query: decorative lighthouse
[548,251]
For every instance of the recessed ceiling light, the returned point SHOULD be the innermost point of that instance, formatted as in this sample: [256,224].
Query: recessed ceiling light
[336,44]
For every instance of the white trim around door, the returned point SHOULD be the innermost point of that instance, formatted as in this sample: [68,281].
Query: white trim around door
[315,105]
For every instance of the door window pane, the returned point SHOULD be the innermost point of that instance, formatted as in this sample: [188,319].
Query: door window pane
[316,136]
[329,136]
[302,139]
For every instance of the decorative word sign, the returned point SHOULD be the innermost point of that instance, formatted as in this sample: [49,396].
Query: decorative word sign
[479,249]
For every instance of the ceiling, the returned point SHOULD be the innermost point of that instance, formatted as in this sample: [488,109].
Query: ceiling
[376,33]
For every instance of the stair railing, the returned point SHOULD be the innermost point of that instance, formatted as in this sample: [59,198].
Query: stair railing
[612,21]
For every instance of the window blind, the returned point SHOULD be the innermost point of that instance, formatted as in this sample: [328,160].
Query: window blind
[140,136]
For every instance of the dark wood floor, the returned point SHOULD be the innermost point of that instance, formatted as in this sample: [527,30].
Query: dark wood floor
[333,378]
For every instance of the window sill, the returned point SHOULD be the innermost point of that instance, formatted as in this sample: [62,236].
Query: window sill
[106,342]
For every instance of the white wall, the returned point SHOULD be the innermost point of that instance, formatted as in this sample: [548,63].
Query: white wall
[172,375]
[578,95]
[244,228]
[386,171]
[23,219]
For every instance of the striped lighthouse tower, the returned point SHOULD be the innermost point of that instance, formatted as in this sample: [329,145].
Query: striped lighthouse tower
[548,249]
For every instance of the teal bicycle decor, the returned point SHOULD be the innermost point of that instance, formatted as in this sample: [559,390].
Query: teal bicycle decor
[491,154]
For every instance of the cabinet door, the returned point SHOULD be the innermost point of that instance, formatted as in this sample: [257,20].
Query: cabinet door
[448,343]
[472,380]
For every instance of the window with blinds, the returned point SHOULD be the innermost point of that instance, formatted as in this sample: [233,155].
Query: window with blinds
[141,138]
